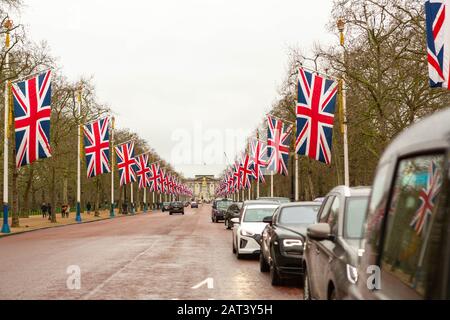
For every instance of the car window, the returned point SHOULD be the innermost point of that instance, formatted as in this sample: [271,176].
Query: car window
[334,215]
[325,209]
[223,205]
[406,250]
[256,214]
[299,215]
[355,216]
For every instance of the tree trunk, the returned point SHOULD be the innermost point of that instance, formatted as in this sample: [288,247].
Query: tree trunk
[53,191]
[311,186]
[65,183]
[97,197]
[26,196]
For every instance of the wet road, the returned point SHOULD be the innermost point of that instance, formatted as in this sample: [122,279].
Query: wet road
[152,256]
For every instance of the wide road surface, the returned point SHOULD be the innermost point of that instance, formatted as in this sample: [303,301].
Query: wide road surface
[152,256]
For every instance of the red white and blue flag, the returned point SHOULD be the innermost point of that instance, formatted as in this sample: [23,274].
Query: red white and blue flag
[96,147]
[278,142]
[142,171]
[32,110]
[162,181]
[246,171]
[438,41]
[154,176]
[428,197]
[126,162]
[258,159]
[315,116]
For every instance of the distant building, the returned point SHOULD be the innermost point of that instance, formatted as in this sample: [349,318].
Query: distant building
[203,186]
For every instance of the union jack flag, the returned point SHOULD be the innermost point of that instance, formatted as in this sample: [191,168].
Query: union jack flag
[438,32]
[142,171]
[278,141]
[428,197]
[237,176]
[315,116]
[258,158]
[245,168]
[162,181]
[154,176]
[32,110]
[96,142]
[126,162]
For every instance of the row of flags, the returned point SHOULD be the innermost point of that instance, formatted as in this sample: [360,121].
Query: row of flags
[32,111]
[316,102]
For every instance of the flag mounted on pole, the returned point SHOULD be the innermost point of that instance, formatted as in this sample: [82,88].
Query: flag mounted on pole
[142,171]
[438,42]
[126,162]
[154,177]
[96,147]
[32,110]
[259,159]
[278,142]
[315,115]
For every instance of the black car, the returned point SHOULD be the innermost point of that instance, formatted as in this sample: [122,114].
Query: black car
[406,245]
[194,204]
[176,207]
[332,244]
[219,208]
[233,211]
[165,206]
[283,239]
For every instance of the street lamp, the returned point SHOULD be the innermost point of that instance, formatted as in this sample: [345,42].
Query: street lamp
[341,26]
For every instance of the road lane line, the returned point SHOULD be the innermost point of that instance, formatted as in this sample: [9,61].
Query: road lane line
[100,286]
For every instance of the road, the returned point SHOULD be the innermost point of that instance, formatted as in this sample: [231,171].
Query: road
[151,256]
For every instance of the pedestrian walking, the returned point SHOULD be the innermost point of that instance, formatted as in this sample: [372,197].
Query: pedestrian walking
[64,212]
[88,207]
[44,210]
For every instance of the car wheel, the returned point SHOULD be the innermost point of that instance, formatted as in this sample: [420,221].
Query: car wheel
[306,287]
[238,255]
[170,213]
[182,213]
[332,295]
[275,279]
[263,265]
[228,224]
[234,248]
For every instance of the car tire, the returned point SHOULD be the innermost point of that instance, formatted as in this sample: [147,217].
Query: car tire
[234,248]
[238,255]
[306,286]
[275,279]
[228,224]
[263,265]
[182,213]
[332,295]
[170,213]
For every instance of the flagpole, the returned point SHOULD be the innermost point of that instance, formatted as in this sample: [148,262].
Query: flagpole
[341,26]
[78,100]
[145,200]
[271,184]
[5,227]
[296,178]
[153,202]
[111,213]
[131,198]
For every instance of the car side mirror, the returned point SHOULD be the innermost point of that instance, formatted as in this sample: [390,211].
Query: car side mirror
[319,231]
[235,220]
[268,220]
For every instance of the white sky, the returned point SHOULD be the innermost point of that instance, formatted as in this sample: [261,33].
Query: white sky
[170,67]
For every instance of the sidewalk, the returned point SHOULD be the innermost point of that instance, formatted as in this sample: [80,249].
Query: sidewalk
[37,222]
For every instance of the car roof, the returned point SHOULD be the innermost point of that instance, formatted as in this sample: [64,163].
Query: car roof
[259,202]
[300,203]
[419,138]
[352,191]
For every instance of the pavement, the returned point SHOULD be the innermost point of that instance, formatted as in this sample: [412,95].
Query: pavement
[146,256]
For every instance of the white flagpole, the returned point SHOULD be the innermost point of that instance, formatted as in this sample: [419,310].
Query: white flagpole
[271,184]
[249,193]
[78,215]
[153,202]
[111,212]
[341,26]
[5,227]
[296,178]
[145,200]
[131,198]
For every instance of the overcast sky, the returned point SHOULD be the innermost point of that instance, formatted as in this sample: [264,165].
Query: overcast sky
[183,74]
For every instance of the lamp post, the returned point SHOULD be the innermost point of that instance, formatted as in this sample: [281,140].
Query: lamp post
[8,24]
[341,26]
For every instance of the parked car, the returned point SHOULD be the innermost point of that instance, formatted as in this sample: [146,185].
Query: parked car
[283,240]
[407,239]
[219,208]
[248,227]
[194,204]
[276,199]
[176,207]
[165,206]
[331,250]
[234,210]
